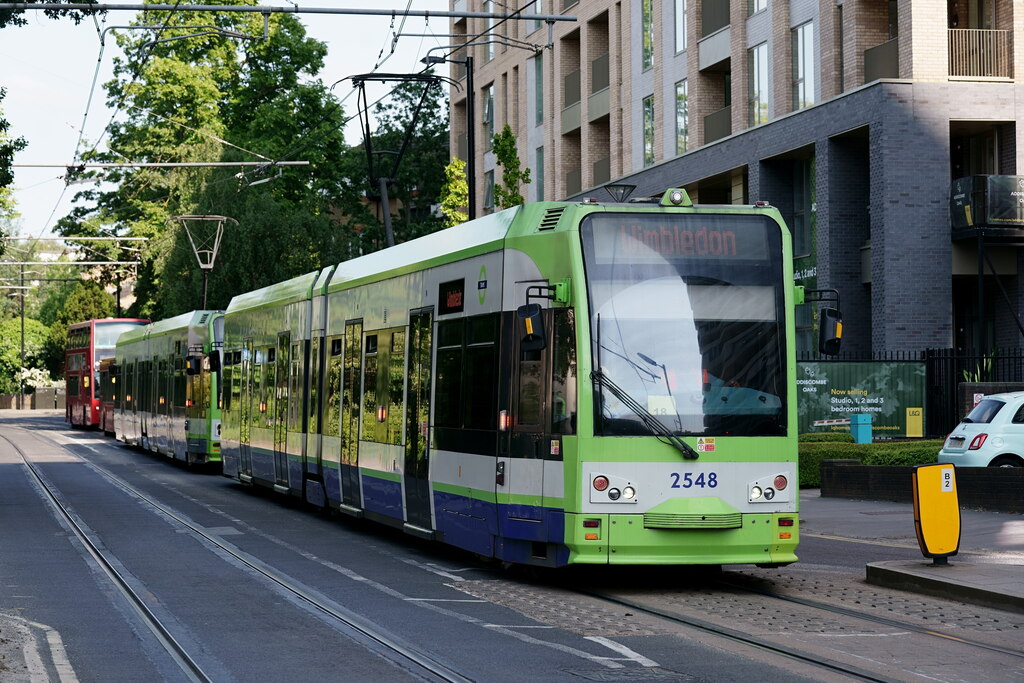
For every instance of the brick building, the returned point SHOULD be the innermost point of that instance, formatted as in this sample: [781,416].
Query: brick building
[851,116]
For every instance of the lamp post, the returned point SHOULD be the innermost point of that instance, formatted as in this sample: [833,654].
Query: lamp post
[470,125]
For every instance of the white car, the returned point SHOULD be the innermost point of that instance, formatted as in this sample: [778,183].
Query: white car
[992,435]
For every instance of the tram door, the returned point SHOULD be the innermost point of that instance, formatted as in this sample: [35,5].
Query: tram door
[281,402]
[543,408]
[417,420]
[248,416]
[351,405]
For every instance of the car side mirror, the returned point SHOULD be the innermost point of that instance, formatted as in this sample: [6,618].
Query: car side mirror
[531,322]
[830,331]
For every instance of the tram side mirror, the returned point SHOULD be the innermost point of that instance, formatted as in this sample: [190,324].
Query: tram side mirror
[192,365]
[531,323]
[214,361]
[830,331]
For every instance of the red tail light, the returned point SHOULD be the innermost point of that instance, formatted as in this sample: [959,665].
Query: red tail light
[977,442]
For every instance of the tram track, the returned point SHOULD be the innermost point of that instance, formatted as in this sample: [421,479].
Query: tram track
[179,654]
[362,630]
[775,645]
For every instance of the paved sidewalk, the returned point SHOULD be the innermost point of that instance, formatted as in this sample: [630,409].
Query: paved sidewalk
[989,569]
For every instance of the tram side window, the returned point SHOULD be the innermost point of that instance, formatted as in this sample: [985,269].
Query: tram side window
[467,373]
[180,382]
[294,400]
[332,411]
[563,372]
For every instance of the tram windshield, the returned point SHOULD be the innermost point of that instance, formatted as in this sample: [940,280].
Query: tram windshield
[687,320]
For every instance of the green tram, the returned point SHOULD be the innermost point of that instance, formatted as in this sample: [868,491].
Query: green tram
[553,384]
[166,386]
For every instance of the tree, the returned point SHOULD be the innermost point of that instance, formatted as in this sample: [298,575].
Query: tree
[10,17]
[419,176]
[36,335]
[8,147]
[507,194]
[455,193]
[214,99]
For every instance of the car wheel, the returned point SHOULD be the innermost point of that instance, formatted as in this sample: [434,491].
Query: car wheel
[1007,461]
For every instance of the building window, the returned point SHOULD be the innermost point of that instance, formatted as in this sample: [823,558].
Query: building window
[489,192]
[803,65]
[680,25]
[488,36]
[539,174]
[682,118]
[647,29]
[538,73]
[758,92]
[488,117]
[756,5]
[649,130]
[803,207]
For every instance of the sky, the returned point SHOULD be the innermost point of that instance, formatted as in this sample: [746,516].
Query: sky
[49,69]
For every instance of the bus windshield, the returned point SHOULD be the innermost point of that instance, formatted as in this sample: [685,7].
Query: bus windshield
[687,319]
[107,333]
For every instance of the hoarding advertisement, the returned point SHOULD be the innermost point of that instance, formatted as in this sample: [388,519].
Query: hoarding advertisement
[891,392]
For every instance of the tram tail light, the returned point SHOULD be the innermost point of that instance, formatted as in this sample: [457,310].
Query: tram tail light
[600,482]
[781,483]
[785,521]
[591,523]
[977,442]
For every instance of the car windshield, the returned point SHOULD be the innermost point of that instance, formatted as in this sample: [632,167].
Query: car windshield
[984,411]
[686,322]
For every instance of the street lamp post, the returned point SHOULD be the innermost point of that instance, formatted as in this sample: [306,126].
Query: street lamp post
[470,125]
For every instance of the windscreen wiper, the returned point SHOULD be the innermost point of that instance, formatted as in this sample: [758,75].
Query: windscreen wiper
[649,420]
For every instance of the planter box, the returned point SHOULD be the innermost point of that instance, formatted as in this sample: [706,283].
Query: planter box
[999,489]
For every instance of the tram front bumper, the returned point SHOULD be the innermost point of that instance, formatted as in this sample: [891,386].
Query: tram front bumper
[762,539]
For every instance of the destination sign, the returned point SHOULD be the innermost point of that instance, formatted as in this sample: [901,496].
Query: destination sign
[450,297]
[636,238]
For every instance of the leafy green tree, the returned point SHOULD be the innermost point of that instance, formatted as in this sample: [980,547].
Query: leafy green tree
[212,99]
[8,147]
[87,301]
[9,17]
[36,335]
[417,182]
[455,193]
[512,175]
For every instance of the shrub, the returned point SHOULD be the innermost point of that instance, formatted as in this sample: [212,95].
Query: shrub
[904,453]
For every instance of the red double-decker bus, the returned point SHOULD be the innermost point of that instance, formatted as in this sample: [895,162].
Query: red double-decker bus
[89,342]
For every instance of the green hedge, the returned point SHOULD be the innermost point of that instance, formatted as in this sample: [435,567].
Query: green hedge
[906,453]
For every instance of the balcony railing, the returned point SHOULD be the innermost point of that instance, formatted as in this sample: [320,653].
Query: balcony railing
[599,74]
[573,182]
[882,61]
[718,124]
[571,89]
[980,53]
[602,171]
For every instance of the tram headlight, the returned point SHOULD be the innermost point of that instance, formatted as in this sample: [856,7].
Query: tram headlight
[614,494]
[629,493]
[769,493]
[755,492]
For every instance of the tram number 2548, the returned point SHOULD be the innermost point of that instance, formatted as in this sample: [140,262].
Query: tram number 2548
[687,480]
